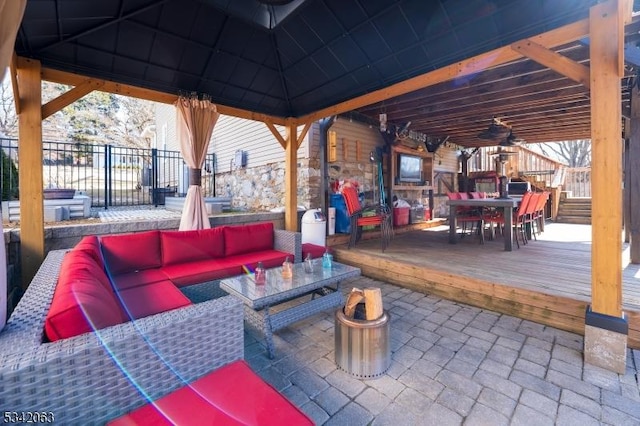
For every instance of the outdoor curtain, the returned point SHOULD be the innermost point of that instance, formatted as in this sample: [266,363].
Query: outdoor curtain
[195,123]
[11,12]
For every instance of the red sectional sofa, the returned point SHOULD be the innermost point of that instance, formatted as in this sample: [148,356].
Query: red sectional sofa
[112,279]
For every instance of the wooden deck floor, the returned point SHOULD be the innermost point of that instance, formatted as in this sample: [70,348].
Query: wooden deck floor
[547,281]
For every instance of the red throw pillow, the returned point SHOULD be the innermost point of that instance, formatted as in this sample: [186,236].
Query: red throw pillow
[131,252]
[248,238]
[189,246]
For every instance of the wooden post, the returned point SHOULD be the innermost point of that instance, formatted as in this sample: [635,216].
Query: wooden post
[632,178]
[606,330]
[291,178]
[606,175]
[30,169]
[465,172]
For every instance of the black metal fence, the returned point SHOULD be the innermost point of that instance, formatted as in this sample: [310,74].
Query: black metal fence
[110,175]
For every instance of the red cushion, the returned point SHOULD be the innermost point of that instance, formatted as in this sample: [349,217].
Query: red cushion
[131,252]
[75,259]
[201,271]
[187,246]
[136,278]
[269,258]
[181,407]
[80,304]
[248,238]
[91,246]
[315,250]
[233,395]
[151,299]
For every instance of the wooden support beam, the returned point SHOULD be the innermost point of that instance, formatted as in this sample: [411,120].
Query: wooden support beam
[14,82]
[553,38]
[304,132]
[69,97]
[607,34]
[281,140]
[632,178]
[30,169]
[291,179]
[555,61]
[71,79]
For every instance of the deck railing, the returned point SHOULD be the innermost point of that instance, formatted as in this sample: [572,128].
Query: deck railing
[527,164]
[577,181]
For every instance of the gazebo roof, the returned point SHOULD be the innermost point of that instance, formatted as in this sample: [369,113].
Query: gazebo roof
[305,55]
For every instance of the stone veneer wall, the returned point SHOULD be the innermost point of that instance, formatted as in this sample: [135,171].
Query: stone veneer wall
[361,172]
[262,188]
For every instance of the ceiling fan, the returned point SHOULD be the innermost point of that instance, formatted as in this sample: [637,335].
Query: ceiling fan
[511,140]
[496,130]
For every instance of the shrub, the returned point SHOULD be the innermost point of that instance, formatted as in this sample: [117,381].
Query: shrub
[9,177]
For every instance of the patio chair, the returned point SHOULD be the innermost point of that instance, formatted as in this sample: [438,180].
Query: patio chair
[468,215]
[529,217]
[378,216]
[538,213]
[518,220]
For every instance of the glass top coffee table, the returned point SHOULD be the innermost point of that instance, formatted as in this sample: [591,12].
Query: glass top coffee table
[280,302]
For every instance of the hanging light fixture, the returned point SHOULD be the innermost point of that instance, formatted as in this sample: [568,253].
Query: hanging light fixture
[383,122]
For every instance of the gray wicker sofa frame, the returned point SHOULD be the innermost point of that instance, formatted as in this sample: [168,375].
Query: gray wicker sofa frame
[97,376]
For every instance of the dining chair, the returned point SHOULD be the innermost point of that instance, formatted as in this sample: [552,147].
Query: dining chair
[529,216]
[467,215]
[518,219]
[539,214]
[381,217]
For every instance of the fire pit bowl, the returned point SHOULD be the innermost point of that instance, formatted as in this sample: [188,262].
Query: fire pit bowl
[362,347]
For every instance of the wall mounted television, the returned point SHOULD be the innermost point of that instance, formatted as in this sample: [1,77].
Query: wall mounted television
[409,168]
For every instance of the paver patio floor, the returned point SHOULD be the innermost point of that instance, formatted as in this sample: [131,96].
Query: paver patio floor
[451,364]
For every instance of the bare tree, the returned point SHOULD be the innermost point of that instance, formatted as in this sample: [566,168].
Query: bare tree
[98,117]
[136,118]
[8,117]
[572,153]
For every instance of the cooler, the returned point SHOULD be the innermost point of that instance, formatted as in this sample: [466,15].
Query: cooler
[343,222]
[400,216]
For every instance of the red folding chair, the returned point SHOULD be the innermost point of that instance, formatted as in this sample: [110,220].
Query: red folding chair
[468,215]
[381,218]
[538,214]
[518,221]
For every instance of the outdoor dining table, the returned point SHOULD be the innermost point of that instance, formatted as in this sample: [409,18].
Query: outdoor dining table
[508,204]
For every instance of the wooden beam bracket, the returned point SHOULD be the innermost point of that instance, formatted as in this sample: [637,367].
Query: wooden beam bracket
[277,134]
[69,97]
[561,64]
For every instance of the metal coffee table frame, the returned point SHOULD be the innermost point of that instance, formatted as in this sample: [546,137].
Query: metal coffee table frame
[266,307]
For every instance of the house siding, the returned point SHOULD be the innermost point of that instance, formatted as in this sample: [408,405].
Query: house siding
[260,184]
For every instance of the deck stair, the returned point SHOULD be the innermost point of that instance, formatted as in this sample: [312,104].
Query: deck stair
[538,182]
[574,210]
